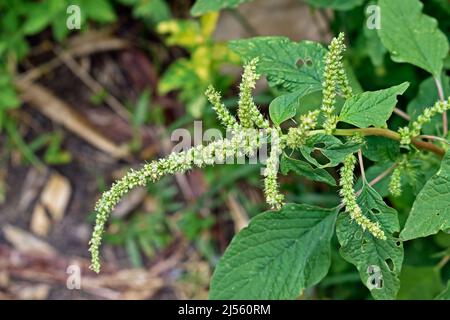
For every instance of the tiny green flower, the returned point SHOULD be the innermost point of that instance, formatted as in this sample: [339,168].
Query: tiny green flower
[414,129]
[349,199]
[334,73]
[224,116]
[247,110]
[296,137]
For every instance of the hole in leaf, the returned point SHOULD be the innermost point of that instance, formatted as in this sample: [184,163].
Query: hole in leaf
[390,264]
[396,234]
[375,211]
[309,63]
[299,63]
[398,243]
[320,158]
[319,145]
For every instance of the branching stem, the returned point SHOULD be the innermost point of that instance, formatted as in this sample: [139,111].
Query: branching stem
[385,133]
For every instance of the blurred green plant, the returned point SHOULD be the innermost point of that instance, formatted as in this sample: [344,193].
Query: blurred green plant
[192,75]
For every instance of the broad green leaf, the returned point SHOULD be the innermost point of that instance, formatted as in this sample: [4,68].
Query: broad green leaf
[293,66]
[375,259]
[444,295]
[426,97]
[381,149]
[303,168]
[431,209]
[283,108]
[331,148]
[277,256]
[335,4]
[419,283]
[371,108]
[411,36]
[203,6]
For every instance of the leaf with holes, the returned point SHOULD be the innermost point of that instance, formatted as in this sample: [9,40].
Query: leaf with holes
[204,6]
[430,212]
[329,150]
[304,169]
[371,108]
[378,261]
[293,66]
[277,256]
[411,36]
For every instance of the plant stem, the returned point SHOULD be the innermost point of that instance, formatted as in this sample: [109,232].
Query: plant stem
[424,136]
[361,165]
[402,114]
[380,177]
[441,97]
[385,133]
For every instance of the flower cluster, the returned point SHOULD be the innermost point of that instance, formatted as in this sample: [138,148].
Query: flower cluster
[248,112]
[334,74]
[408,133]
[224,116]
[395,186]
[245,141]
[297,136]
[273,197]
[349,199]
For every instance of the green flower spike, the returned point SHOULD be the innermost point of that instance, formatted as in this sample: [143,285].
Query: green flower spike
[334,73]
[349,199]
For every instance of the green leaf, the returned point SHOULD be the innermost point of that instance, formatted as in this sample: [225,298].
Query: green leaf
[99,10]
[365,251]
[372,44]
[293,66]
[303,168]
[431,209]
[155,10]
[203,6]
[411,36]
[335,4]
[331,148]
[283,108]
[371,107]
[277,256]
[444,295]
[419,283]
[38,18]
[381,149]
[427,95]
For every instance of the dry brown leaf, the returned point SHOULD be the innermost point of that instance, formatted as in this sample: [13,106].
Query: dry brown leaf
[59,111]
[56,195]
[27,243]
[40,223]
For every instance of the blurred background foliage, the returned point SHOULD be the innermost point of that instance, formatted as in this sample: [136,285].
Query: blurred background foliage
[199,213]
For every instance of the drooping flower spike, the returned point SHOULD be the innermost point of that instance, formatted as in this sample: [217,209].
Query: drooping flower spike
[349,199]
